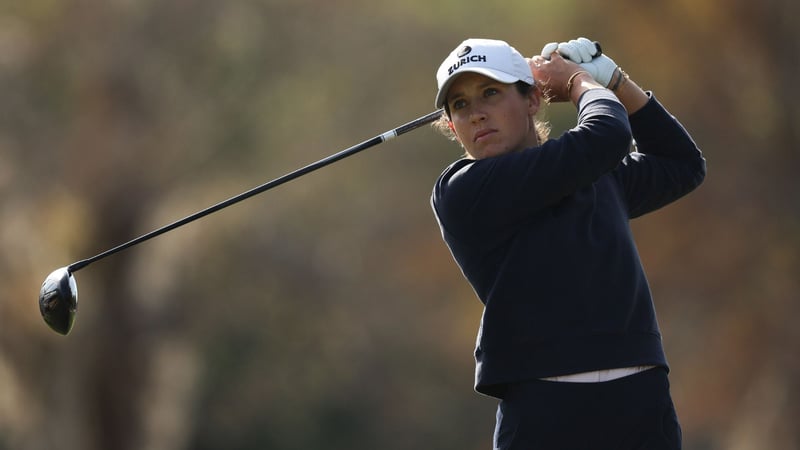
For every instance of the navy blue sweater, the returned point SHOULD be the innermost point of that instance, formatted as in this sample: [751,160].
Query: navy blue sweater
[542,235]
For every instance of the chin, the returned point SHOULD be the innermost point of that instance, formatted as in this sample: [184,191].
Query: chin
[495,151]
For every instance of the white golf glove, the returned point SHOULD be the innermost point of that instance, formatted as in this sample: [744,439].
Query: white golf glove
[548,49]
[587,55]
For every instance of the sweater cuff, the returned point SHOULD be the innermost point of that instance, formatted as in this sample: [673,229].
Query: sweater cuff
[592,95]
[649,110]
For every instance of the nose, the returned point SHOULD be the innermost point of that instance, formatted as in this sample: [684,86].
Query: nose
[477,115]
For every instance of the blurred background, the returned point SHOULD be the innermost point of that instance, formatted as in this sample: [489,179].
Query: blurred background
[327,313]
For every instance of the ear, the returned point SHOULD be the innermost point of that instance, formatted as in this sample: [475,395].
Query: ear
[534,100]
[453,130]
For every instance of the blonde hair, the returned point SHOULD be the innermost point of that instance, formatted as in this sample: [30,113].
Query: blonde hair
[443,125]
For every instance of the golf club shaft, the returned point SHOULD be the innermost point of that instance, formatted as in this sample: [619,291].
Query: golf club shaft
[414,124]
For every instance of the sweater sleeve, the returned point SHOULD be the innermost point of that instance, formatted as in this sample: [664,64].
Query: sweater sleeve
[495,195]
[666,164]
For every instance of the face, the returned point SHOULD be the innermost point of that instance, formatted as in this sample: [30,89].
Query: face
[491,118]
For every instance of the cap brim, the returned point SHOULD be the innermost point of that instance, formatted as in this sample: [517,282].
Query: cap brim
[497,75]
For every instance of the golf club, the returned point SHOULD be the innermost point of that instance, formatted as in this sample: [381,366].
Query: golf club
[58,297]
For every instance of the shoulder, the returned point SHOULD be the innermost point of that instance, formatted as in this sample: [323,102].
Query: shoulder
[453,171]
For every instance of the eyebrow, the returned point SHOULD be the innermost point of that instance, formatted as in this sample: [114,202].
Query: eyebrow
[484,85]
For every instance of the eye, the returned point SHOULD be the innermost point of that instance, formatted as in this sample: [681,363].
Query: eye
[458,104]
[490,92]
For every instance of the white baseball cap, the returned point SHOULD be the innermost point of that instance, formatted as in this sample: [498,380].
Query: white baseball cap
[492,58]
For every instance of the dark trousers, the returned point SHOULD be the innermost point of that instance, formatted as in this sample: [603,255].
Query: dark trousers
[635,412]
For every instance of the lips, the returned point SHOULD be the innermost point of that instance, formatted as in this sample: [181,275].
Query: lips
[482,134]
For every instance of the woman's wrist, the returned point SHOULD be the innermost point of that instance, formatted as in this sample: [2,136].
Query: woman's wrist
[618,78]
[571,80]
[578,83]
[629,93]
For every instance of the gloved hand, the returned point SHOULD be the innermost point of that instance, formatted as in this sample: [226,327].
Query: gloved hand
[548,49]
[588,55]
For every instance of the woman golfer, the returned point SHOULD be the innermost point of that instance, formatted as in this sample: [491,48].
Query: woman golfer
[568,340]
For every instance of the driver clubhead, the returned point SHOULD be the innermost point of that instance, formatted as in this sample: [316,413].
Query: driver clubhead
[58,300]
